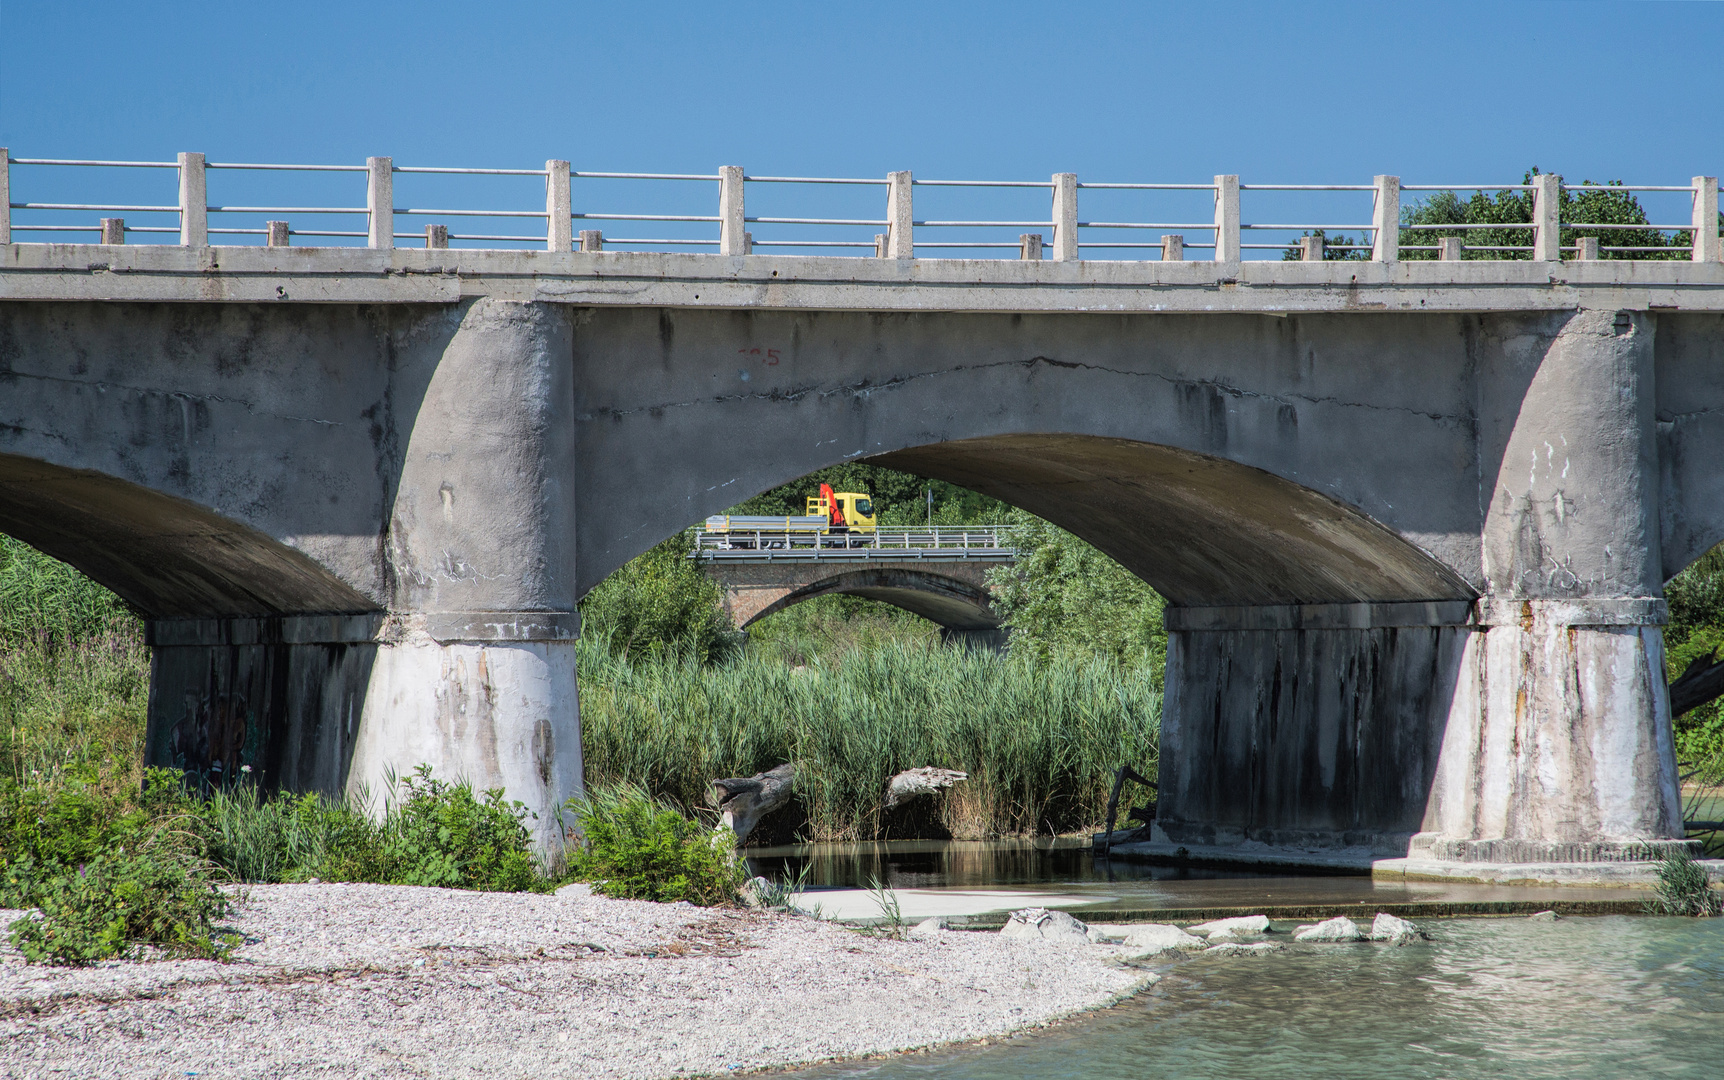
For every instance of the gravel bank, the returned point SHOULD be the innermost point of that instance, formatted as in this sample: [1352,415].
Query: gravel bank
[384,981]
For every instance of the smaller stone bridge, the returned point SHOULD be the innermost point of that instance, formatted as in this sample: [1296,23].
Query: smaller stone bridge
[938,573]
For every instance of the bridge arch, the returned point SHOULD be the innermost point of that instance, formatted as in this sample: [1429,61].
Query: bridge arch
[952,595]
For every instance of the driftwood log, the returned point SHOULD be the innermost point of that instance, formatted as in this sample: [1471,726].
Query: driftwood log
[1703,681]
[915,783]
[744,800]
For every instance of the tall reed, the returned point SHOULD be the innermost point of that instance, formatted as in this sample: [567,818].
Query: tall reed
[1039,740]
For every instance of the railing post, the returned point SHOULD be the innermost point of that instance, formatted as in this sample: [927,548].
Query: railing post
[1547,233]
[1449,248]
[436,236]
[194,202]
[279,235]
[1173,248]
[1030,247]
[5,197]
[1588,246]
[1386,219]
[113,230]
[1065,217]
[1708,246]
[592,240]
[731,229]
[1311,248]
[380,200]
[559,226]
[900,243]
[1227,218]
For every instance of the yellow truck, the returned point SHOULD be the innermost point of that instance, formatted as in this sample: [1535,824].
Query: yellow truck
[832,516]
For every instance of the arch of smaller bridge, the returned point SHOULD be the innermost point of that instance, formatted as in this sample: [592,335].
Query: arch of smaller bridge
[953,595]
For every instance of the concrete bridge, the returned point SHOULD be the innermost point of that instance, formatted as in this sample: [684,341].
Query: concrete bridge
[937,572]
[1413,517]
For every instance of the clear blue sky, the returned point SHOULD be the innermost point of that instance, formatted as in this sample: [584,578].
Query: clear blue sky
[1302,93]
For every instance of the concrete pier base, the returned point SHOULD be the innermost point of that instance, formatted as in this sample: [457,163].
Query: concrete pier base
[500,714]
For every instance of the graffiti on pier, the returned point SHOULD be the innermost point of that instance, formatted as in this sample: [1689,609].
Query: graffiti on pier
[208,743]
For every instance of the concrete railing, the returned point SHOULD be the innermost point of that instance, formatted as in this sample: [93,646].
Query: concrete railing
[1065,234]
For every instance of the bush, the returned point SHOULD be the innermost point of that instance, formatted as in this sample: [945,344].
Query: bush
[638,848]
[659,604]
[1683,889]
[441,835]
[116,904]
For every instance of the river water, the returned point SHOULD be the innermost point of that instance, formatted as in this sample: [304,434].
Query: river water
[1605,997]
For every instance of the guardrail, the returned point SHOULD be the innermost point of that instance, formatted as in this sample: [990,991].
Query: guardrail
[937,543]
[574,198]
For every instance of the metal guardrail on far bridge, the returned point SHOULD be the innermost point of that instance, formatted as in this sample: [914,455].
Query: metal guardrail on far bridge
[938,543]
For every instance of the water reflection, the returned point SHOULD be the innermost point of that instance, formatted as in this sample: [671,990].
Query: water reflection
[1612,997]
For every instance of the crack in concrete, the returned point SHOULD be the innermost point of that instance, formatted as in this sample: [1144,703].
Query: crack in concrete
[868,387]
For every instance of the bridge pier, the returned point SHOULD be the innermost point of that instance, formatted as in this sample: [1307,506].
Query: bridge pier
[1530,727]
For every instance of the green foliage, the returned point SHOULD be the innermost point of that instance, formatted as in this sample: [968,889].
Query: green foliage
[1065,598]
[828,627]
[900,498]
[43,599]
[1510,214]
[1696,631]
[442,835]
[659,603]
[635,847]
[1350,249]
[1040,739]
[1683,889]
[116,904]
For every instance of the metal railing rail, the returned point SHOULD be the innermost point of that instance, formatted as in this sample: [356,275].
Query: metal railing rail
[1062,235]
[986,542]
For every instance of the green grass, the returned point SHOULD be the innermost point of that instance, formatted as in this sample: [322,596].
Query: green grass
[1039,740]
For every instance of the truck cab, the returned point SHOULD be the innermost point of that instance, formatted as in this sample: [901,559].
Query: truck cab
[852,510]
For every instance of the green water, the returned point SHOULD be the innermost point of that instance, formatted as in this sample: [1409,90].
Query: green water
[1615,996]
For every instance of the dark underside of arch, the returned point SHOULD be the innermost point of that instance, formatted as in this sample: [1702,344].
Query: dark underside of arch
[952,604]
[1203,531]
[166,557]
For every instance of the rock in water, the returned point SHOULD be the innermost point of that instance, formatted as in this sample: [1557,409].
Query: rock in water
[1235,927]
[1395,931]
[1543,916]
[1041,924]
[1234,948]
[745,800]
[1156,938]
[1339,928]
[915,783]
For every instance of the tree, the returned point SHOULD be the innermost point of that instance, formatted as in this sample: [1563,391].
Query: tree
[657,603]
[1064,597]
[1344,249]
[1508,215]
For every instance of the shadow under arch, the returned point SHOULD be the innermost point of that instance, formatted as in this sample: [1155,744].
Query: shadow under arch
[1201,530]
[167,557]
[240,677]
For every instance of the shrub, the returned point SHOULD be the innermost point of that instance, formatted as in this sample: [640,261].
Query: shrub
[638,848]
[442,835]
[115,904]
[1683,889]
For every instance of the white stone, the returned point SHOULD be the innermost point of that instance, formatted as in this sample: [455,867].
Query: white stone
[1543,916]
[580,890]
[927,928]
[1042,924]
[1234,948]
[1339,928]
[1386,927]
[1156,938]
[1236,927]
